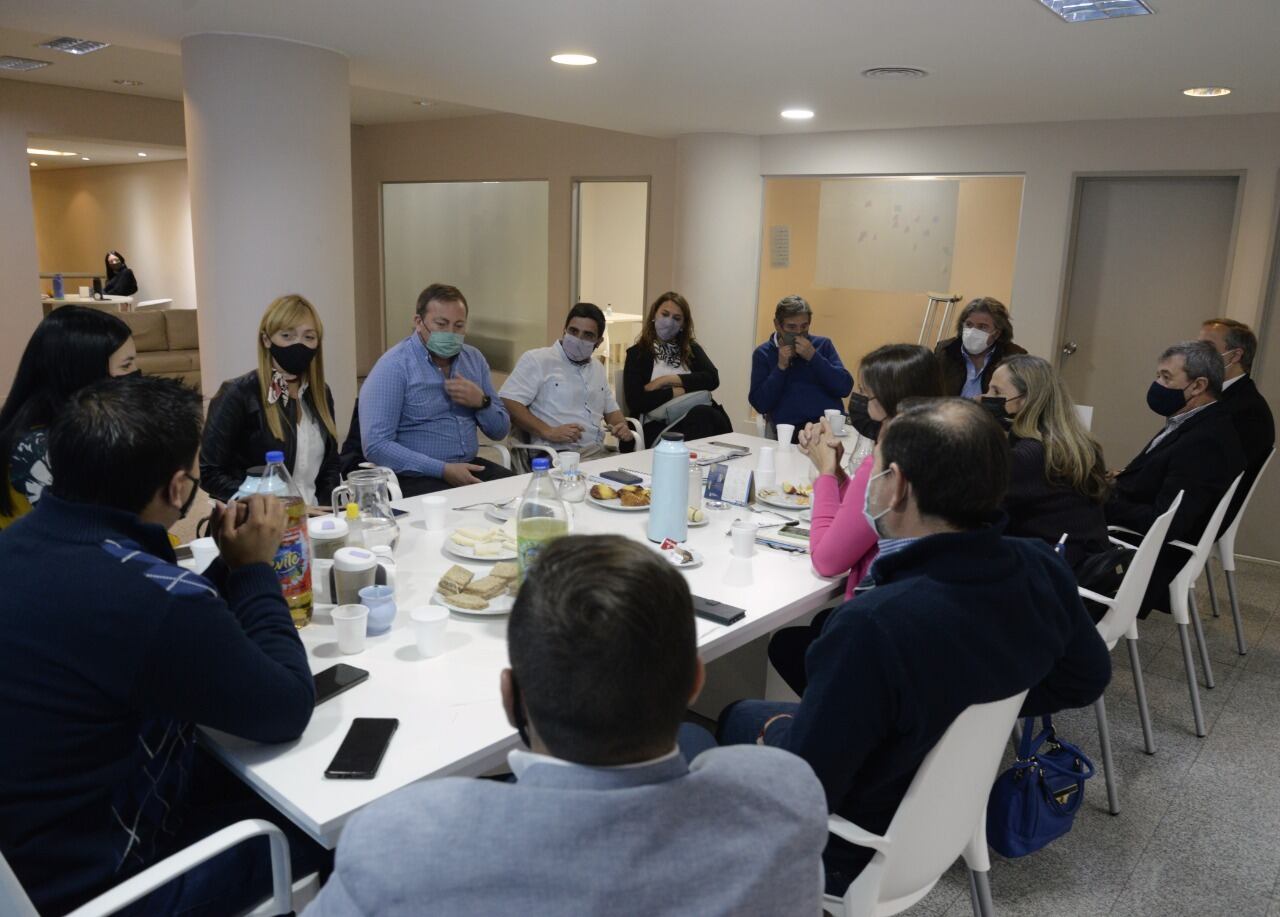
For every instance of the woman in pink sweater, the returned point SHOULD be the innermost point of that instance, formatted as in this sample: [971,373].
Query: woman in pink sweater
[841,541]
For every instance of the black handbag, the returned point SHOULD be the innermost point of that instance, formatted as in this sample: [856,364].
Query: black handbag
[1103,573]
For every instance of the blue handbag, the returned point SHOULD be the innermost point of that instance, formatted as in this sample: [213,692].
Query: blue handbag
[1035,801]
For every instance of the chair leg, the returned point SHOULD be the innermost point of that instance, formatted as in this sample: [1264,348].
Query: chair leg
[1213,591]
[1108,765]
[980,895]
[1140,688]
[1200,644]
[1235,612]
[1196,713]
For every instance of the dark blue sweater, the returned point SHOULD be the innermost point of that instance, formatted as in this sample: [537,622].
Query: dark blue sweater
[801,392]
[110,653]
[953,620]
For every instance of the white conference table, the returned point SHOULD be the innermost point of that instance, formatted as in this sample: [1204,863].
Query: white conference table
[125,303]
[449,707]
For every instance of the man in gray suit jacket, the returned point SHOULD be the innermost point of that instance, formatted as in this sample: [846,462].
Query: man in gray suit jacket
[606,816]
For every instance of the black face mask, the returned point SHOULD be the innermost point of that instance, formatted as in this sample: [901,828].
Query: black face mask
[131,375]
[997,408]
[295,358]
[860,419]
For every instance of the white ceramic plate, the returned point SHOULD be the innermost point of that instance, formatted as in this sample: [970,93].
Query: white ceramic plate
[500,514]
[706,520]
[674,559]
[500,606]
[468,552]
[775,497]
[616,505]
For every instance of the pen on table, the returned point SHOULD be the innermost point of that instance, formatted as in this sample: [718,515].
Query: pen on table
[1057,548]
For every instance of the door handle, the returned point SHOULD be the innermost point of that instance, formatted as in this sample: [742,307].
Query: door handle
[1070,347]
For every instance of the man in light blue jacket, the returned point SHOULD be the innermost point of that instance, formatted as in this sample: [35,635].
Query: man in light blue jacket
[606,816]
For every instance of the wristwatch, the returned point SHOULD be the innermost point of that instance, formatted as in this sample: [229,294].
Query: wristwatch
[487,401]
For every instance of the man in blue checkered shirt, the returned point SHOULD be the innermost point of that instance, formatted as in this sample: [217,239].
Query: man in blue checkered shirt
[425,398]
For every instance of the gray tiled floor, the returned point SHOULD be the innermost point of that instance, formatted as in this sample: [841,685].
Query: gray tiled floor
[1199,828]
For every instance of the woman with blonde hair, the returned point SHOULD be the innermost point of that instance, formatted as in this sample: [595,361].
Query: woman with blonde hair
[277,406]
[1057,477]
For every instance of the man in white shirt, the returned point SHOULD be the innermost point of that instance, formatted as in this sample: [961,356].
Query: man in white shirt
[559,395]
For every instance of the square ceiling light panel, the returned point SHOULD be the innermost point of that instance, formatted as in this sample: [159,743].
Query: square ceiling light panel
[19,64]
[74,45]
[1088,10]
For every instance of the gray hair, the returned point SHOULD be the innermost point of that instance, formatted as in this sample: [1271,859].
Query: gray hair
[1200,361]
[1239,337]
[791,305]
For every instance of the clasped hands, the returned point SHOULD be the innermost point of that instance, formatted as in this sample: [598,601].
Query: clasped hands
[822,447]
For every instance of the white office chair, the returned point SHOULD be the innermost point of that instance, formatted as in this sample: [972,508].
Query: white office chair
[14,901]
[1121,620]
[942,816]
[1182,601]
[1085,413]
[1226,549]
[148,305]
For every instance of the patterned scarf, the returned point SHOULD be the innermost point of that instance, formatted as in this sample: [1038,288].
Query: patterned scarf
[279,389]
[668,351]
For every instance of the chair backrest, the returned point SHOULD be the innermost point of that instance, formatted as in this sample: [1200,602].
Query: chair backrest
[1210,533]
[14,901]
[1085,413]
[947,799]
[1133,587]
[1229,536]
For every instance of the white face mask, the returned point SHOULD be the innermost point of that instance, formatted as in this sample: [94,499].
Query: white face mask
[873,519]
[975,340]
[576,349]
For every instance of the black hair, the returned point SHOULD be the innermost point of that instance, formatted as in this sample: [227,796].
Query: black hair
[441,292]
[112,270]
[68,350]
[603,647]
[895,372]
[954,456]
[587,310]
[118,442]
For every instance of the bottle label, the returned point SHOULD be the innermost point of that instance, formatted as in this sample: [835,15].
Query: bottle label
[292,567]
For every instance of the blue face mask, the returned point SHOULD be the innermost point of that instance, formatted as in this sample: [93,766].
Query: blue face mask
[445,343]
[666,327]
[576,349]
[873,519]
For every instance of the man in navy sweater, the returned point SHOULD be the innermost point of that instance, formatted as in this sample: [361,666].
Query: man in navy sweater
[111,653]
[952,613]
[795,376]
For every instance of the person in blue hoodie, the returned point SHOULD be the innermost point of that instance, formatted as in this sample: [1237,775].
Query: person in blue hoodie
[795,375]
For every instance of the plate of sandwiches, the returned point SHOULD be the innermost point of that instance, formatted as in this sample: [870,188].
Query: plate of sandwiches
[462,591]
[786,496]
[629,499]
[477,542]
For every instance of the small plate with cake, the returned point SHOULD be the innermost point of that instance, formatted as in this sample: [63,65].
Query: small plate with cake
[461,591]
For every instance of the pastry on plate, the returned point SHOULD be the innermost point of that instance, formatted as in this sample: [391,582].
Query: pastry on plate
[638,497]
[603,492]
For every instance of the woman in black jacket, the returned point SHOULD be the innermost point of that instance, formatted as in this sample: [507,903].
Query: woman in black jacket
[984,337]
[275,407]
[666,362]
[120,279]
[1057,476]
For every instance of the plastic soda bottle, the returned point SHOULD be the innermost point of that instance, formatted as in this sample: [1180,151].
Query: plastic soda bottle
[293,557]
[542,516]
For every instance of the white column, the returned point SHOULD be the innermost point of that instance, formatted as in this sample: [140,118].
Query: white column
[719,195]
[20,310]
[269,164]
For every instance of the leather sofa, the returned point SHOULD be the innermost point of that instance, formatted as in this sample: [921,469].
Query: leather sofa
[168,343]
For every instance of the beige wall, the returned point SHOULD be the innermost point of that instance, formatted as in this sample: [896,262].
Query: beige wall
[858,321]
[497,147]
[142,210]
[611,244]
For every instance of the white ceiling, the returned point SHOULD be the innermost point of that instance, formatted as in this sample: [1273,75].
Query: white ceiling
[676,66]
[99,153]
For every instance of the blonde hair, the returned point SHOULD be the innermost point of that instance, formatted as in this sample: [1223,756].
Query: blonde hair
[286,312]
[1071,455]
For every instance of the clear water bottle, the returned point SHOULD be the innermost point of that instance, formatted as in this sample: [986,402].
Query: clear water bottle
[542,517]
[252,481]
[669,506]
[695,482]
[293,557]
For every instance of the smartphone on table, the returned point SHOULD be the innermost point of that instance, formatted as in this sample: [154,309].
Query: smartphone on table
[624,478]
[361,752]
[336,679]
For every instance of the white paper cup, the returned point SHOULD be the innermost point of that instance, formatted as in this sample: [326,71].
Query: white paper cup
[567,461]
[434,509]
[429,625]
[835,420]
[350,622]
[203,552]
[84,292]
[766,460]
[786,432]
[744,539]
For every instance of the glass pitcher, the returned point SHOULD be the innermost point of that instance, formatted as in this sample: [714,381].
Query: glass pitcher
[375,524]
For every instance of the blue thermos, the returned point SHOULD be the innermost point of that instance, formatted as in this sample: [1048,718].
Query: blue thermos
[57,286]
[669,503]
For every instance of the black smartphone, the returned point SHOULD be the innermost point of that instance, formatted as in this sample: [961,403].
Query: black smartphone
[399,512]
[732,447]
[715,611]
[361,751]
[622,477]
[336,679]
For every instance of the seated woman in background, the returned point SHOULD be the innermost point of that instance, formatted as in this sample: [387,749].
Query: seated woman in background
[70,348]
[841,540]
[1057,477]
[665,363]
[120,279]
[282,405]
[984,337]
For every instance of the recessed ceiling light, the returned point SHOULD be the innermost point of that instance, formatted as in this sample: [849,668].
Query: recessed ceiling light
[9,62]
[143,155]
[32,151]
[33,164]
[894,73]
[797,114]
[1088,10]
[74,45]
[127,82]
[573,60]
[1207,92]
[84,159]
[425,103]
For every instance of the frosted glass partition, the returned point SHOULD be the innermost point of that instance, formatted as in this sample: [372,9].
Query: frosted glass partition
[489,239]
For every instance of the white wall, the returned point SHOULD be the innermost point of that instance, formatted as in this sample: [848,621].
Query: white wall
[612,226]
[143,211]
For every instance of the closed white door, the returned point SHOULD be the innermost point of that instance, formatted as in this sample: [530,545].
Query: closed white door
[1150,260]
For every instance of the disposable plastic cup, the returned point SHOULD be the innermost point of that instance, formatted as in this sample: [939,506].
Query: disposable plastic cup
[744,539]
[203,553]
[350,622]
[835,420]
[786,432]
[434,509]
[429,625]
